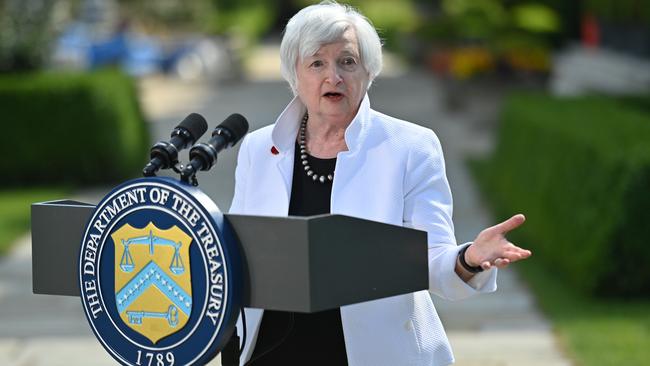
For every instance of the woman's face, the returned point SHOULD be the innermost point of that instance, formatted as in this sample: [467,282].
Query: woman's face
[332,82]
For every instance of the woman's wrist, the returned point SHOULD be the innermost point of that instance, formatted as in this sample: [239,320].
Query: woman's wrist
[463,261]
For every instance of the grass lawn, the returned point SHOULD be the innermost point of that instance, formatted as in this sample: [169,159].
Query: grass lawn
[15,211]
[594,332]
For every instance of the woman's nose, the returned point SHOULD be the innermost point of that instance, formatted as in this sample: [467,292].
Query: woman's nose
[334,75]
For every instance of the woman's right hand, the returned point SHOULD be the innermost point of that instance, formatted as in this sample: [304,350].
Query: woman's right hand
[491,248]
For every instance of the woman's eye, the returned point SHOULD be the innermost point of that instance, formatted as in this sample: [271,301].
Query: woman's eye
[317,63]
[349,63]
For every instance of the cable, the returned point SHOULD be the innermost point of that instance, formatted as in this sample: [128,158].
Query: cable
[243,322]
[276,345]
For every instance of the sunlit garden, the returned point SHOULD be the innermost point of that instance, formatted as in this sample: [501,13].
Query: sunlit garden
[572,134]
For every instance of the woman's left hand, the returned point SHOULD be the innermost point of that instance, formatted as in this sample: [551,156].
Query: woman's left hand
[491,248]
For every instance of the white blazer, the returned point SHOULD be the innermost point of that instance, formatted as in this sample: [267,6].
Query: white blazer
[393,172]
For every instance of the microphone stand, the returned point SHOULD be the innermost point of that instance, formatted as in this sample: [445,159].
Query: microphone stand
[188,178]
[179,169]
[188,173]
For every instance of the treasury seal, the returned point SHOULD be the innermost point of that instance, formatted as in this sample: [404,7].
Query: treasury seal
[159,274]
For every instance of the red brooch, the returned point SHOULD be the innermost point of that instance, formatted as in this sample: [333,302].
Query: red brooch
[274,151]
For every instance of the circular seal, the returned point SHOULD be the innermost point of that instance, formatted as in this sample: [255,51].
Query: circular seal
[159,274]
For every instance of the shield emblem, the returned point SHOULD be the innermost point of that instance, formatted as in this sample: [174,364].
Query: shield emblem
[153,288]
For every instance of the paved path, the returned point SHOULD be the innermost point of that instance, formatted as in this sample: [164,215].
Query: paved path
[497,329]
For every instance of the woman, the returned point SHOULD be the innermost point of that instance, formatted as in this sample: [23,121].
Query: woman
[330,152]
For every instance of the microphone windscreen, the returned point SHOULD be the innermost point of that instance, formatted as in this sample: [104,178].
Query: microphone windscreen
[237,125]
[195,124]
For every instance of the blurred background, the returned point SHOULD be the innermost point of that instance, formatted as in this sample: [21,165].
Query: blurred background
[542,107]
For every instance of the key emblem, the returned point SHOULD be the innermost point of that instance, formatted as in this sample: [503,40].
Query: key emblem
[135,317]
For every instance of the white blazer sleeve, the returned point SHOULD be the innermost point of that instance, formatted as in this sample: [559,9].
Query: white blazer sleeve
[428,206]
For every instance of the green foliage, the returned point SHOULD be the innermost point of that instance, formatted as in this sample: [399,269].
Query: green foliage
[71,128]
[518,35]
[492,20]
[535,18]
[394,20]
[15,211]
[248,20]
[26,32]
[480,19]
[594,332]
[617,11]
[164,16]
[579,169]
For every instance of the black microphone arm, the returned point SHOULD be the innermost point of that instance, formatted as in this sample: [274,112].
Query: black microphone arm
[164,154]
[203,156]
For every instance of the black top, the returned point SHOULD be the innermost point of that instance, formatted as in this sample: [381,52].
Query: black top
[288,338]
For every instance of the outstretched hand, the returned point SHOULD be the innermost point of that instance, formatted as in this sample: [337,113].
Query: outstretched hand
[491,248]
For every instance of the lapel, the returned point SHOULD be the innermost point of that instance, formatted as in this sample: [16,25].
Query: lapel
[284,134]
[284,167]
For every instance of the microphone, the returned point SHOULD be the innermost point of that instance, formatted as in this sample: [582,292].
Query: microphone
[203,156]
[164,154]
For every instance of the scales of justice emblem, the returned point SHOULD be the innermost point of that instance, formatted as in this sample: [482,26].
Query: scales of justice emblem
[153,289]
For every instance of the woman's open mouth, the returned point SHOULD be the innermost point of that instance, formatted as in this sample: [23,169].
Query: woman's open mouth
[333,96]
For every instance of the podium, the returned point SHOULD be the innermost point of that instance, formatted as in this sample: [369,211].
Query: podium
[172,280]
[301,264]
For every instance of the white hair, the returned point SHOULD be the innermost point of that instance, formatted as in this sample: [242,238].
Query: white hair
[318,25]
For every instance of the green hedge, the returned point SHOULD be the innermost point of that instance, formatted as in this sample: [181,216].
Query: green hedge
[70,128]
[580,170]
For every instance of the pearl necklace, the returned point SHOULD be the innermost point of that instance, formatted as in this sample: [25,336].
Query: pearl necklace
[302,142]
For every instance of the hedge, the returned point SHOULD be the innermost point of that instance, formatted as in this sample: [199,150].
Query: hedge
[70,128]
[580,170]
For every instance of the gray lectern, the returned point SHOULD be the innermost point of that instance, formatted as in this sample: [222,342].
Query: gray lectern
[304,264]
